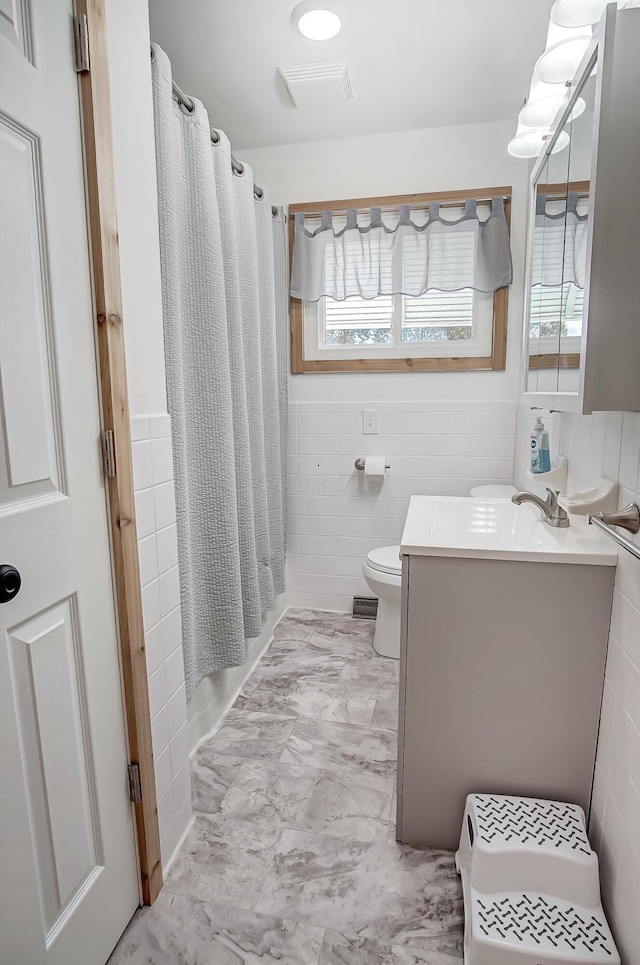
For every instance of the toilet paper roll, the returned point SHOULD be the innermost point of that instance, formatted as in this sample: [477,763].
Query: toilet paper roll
[374,467]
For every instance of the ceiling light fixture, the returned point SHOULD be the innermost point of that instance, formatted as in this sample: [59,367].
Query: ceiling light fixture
[318,19]
[319,24]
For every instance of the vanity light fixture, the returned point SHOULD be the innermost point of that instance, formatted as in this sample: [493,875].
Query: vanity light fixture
[318,19]
[558,63]
[569,34]
[568,39]
[577,13]
[529,143]
[541,111]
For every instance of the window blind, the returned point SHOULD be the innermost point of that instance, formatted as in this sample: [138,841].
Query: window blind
[441,309]
[358,320]
[556,310]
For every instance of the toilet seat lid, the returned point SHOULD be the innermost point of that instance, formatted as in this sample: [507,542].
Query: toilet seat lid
[385,559]
[493,492]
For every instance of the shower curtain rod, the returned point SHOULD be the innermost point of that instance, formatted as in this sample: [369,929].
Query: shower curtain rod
[188,104]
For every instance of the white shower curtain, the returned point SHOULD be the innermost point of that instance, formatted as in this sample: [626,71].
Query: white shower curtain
[225,322]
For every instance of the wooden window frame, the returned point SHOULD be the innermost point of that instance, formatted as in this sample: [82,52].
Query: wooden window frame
[495,362]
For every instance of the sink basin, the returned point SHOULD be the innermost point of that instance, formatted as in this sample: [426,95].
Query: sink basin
[498,529]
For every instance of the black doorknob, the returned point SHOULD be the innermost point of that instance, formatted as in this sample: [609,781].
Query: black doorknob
[10,582]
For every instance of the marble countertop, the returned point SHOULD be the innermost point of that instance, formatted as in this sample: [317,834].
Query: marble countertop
[498,529]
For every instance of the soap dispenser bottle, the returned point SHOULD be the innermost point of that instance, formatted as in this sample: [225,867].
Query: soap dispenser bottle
[536,439]
[545,455]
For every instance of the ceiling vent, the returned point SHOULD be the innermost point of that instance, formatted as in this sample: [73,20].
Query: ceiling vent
[318,85]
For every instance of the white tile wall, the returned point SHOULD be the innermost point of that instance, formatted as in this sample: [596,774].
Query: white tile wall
[158,553]
[609,444]
[335,516]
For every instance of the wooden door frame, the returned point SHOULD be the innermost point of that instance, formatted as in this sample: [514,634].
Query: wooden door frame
[107,303]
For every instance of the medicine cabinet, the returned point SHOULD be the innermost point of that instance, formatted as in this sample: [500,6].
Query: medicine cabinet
[582,283]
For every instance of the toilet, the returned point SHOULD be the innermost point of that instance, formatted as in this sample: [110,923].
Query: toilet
[493,492]
[382,570]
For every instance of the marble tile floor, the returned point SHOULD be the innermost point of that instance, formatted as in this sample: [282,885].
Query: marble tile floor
[292,857]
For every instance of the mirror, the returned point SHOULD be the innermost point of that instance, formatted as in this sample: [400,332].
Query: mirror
[547,266]
[558,249]
[576,239]
[535,375]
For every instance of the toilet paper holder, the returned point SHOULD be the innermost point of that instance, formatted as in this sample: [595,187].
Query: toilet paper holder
[359,464]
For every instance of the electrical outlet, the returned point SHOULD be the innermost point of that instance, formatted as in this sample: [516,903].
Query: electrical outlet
[370,422]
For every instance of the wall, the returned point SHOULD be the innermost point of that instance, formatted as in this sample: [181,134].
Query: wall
[609,444]
[137,203]
[443,432]
[136,200]
[437,159]
[335,515]
[216,694]
[158,554]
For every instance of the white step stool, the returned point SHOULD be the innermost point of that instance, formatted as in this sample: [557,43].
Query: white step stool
[531,884]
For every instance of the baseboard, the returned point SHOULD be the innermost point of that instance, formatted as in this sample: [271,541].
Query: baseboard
[174,854]
[215,695]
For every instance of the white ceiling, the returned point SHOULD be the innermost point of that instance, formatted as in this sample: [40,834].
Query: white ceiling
[413,63]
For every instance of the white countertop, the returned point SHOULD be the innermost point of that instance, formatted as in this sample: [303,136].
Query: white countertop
[498,529]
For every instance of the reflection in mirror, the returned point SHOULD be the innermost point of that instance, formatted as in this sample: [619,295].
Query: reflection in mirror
[558,254]
[577,221]
[547,268]
[535,376]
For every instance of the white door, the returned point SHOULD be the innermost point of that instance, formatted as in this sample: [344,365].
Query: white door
[68,877]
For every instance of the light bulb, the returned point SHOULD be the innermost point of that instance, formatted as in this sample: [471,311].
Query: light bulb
[529,144]
[542,111]
[579,107]
[562,141]
[559,63]
[526,145]
[319,24]
[577,13]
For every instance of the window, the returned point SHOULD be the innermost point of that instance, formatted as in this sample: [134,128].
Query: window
[555,327]
[432,325]
[556,311]
[457,330]
[558,267]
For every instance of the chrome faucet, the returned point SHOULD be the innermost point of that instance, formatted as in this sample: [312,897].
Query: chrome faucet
[552,513]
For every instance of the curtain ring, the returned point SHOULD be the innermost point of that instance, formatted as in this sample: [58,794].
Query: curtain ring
[187,108]
[215,137]
[258,193]
[237,168]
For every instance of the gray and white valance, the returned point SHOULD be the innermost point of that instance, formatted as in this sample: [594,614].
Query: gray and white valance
[367,255]
[560,241]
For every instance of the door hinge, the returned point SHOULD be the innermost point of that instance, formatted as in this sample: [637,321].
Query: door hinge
[108,452]
[135,788]
[81,42]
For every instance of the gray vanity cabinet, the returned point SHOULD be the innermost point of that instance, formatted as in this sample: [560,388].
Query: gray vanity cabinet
[501,678]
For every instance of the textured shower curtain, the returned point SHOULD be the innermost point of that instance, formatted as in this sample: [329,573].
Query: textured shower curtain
[225,332]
